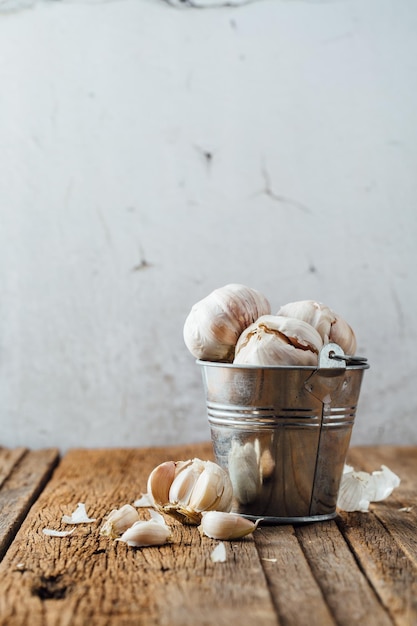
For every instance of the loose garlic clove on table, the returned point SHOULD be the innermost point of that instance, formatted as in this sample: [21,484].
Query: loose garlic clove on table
[119,520]
[215,323]
[184,489]
[226,526]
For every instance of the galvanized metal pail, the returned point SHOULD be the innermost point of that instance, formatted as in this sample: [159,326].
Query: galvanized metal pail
[283,433]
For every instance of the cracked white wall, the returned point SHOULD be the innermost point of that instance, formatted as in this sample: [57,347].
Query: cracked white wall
[149,154]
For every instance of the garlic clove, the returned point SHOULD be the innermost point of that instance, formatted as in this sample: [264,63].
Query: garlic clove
[211,490]
[278,340]
[226,526]
[160,481]
[184,482]
[153,532]
[215,323]
[119,520]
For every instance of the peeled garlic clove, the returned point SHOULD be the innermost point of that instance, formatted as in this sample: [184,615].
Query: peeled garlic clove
[215,323]
[331,326]
[153,532]
[119,520]
[197,486]
[278,340]
[226,526]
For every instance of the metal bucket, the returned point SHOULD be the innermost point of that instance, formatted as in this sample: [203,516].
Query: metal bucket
[282,433]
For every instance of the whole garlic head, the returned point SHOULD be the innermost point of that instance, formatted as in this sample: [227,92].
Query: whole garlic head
[331,326]
[278,340]
[215,323]
[184,489]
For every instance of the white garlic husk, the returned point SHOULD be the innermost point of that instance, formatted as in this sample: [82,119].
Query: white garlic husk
[215,323]
[226,526]
[153,532]
[119,520]
[330,325]
[278,340]
[184,489]
[358,489]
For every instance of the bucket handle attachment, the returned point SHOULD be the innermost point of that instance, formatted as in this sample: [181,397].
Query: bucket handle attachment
[332,356]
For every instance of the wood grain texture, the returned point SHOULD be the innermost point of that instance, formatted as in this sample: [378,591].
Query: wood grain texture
[290,578]
[27,474]
[63,581]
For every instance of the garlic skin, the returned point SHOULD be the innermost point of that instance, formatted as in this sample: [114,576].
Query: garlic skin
[331,326]
[226,526]
[184,489]
[358,489]
[79,516]
[119,520]
[215,323]
[278,340]
[153,532]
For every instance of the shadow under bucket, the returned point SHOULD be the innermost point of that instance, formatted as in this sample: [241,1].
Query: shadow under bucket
[283,433]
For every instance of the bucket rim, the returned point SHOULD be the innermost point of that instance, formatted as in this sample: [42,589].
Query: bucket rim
[305,368]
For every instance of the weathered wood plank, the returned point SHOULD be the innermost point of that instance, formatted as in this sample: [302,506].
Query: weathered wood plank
[8,459]
[290,578]
[29,472]
[392,574]
[347,592]
[86,578]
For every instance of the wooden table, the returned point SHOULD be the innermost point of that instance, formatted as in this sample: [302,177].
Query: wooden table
[358,569]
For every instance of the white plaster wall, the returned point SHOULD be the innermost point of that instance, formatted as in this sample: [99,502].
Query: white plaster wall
[149,154]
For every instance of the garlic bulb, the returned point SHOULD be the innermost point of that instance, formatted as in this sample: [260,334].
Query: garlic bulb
[331,326]
[119,520]
[184,489]
[278,340]
[226,526]
[214,324]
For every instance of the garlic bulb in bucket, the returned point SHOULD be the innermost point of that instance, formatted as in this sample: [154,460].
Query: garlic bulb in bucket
[331,326]
[215,323]
[278,340]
